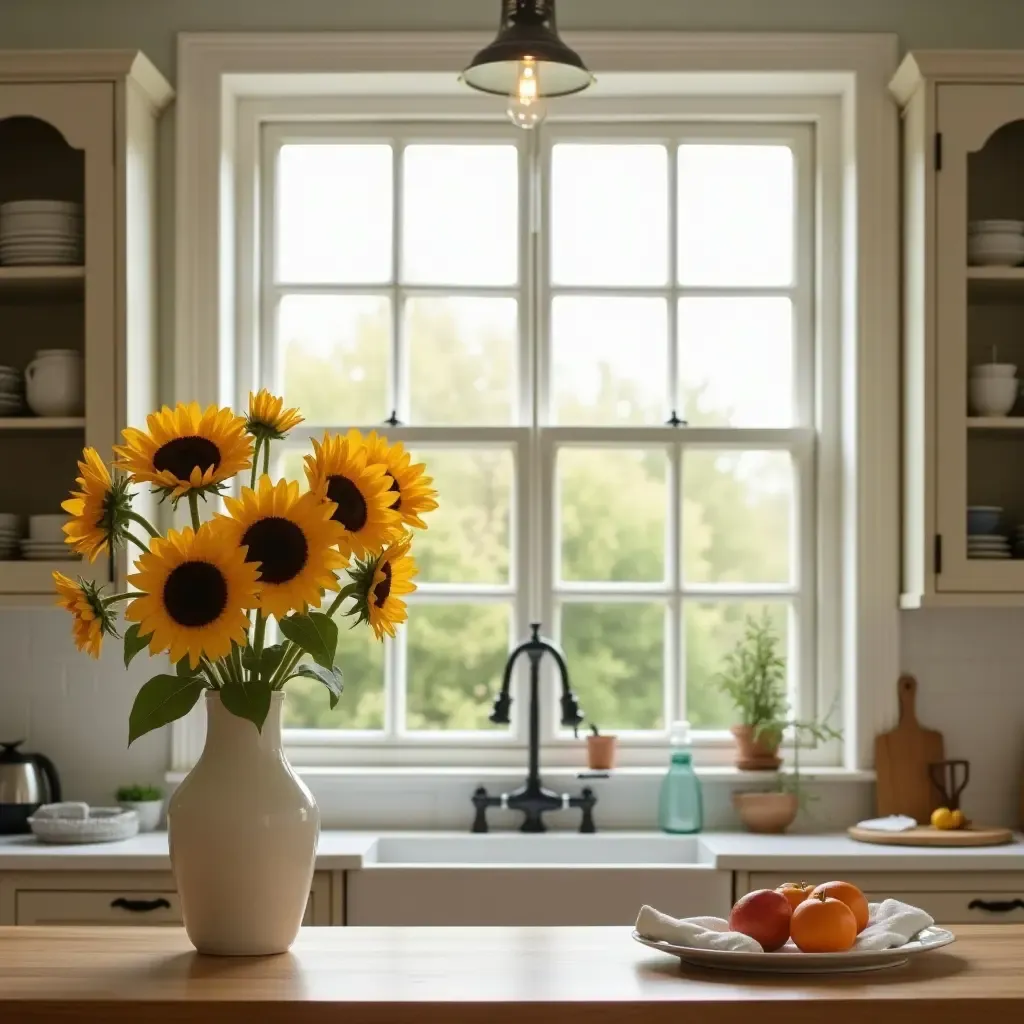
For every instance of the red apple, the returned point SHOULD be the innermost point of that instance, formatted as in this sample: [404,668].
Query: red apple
[764,915]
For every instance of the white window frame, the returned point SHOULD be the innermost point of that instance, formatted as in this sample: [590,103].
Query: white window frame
[223,77]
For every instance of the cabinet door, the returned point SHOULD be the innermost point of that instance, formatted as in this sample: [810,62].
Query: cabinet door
[979,290]
[57,291]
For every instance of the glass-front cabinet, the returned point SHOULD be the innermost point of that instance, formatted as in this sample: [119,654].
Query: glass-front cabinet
[77,289]
[963,343]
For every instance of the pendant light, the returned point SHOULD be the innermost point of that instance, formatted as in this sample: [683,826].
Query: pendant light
[527,62]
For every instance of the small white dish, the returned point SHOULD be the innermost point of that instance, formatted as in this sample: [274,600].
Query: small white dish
[983,370]
[789,960]
[986,226]
[80,823]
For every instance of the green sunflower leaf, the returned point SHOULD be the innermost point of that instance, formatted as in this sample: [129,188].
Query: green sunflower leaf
[161,700]
[266,664]
[183,670]
[133,643]
[315,633]
[330,677]
[250,701]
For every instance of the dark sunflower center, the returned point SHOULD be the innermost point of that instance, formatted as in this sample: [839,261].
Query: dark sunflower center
[351,511]
[383,589]
[398,501]
[279,546]
[184,454]
[195,594]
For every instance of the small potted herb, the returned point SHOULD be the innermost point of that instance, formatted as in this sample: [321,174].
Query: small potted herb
[754,678]
[601,750]
[146,801]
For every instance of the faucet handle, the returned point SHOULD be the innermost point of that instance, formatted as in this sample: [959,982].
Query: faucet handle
[571,713]
[499,716]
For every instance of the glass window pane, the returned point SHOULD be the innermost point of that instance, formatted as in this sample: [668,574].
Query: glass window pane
[610,358]
[455,657]
[711,630]
[609,214]
[334,213]
[616,658]
[334,355]
[461,210]
[736,219]
[361,659]
[462,355]
[467,539]
[737,516]
[736,362]
[612,505]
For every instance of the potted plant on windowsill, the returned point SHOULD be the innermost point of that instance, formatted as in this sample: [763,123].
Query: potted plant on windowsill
[601,750]
[754,679]
[146,801]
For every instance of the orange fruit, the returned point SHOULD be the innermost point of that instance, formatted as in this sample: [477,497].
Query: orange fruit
[848,893]
[823,925]
[795,892]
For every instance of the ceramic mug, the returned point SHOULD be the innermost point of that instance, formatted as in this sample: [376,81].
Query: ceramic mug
[992,396]
[55,384]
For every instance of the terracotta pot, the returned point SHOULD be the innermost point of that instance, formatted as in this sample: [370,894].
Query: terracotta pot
[770,813]
[755,755]
[243,829]
[601,751]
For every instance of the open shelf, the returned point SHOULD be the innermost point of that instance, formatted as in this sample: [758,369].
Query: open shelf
[41,279]
[996,423]
[30,424]
[996,282]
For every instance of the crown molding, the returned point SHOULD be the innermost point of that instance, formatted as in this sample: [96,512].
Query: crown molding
[968,66]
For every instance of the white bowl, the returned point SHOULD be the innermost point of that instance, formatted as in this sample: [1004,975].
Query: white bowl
[995,259]
[992,396]
[986,226]
[994,370]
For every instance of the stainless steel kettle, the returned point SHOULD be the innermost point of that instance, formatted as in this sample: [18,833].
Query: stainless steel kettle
[26,782]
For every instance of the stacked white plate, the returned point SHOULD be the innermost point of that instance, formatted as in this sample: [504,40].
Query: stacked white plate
[988,545]
[40,232]
[45,551]
[12,391]
[995,243]
[10,534]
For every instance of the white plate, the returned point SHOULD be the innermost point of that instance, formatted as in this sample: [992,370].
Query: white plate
[789,960]
[989,555]
[41,261]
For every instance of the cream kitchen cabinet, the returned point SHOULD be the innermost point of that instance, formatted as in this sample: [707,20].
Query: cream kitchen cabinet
[78,127]
[963,162]
[125,898]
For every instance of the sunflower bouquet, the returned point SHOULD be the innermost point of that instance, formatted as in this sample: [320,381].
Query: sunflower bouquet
[205,594]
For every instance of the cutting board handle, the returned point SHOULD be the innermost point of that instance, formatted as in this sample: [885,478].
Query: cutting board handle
[906,692]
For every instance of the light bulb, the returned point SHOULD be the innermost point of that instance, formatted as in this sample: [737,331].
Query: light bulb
[526,108]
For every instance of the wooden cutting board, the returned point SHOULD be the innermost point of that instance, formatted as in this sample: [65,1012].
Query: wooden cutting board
[902,756]
[925,835]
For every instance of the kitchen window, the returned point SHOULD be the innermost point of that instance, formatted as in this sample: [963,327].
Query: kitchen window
[604,342]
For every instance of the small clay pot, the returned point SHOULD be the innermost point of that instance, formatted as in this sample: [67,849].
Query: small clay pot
[769,813]
[601,751]
[758,754]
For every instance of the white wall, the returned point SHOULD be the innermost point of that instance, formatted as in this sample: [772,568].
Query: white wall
[969,663]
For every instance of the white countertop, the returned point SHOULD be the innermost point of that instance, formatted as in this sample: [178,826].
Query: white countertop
[727,851]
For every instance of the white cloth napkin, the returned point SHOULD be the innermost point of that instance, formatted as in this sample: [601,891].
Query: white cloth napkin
[696,932]
[891,924]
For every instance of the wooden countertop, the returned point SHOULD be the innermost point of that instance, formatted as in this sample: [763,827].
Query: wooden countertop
[462,975]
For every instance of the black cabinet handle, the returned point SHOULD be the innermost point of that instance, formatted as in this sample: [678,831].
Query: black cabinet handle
[996,906]
[141,906]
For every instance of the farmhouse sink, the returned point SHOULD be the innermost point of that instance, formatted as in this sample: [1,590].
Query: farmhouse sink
[547,850]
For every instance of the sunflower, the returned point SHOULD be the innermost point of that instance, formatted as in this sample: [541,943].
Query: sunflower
[338,472]
[196,589]
[99,510]
[186,449]
[415,495]
[292,538]
[267,420]
[378,582]
[92,619]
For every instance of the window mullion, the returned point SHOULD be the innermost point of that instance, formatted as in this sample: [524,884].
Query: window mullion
[675,655]
[399,348]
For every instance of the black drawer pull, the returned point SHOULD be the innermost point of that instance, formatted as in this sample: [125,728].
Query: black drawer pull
[996,906]
[141,906]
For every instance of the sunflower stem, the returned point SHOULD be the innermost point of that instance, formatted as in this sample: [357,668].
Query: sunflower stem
[211,672]
[236,663]
[255,463]
[258,637]
[193,505]
[114,598]
[145,523]
[266,456]
[135,540]
[342,595]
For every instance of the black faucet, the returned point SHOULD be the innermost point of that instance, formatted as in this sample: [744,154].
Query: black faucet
[532,798]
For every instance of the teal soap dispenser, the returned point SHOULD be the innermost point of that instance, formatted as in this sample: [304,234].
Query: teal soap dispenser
[680,807]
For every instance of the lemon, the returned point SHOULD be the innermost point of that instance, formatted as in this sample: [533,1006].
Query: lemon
[942,817]
[958,819]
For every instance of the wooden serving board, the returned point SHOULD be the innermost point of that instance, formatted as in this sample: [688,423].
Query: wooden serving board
[925,835]
[902,757]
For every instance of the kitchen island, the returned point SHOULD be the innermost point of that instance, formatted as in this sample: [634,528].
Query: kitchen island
[486,975]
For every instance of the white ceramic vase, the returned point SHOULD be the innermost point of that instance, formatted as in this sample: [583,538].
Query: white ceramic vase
[243,830]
